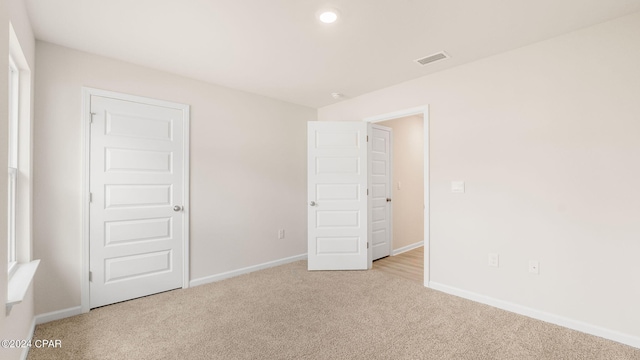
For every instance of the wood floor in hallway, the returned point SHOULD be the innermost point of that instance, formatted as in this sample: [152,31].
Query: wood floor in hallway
[409,265]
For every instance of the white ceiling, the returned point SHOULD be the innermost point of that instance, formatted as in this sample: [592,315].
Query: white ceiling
[277,48]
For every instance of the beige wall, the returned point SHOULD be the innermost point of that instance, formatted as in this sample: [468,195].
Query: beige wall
[17,324]
[547,139]
[248,169]
[408,169]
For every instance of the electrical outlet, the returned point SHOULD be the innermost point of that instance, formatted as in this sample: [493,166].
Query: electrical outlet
[494,260]
[457,186]
[534,267]
[281,234]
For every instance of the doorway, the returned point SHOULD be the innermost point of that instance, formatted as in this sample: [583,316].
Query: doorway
[410,188]
[338,180]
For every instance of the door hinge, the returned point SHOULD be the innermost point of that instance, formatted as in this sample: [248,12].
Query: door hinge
[367,245]
[367,191]
[91,117]
[367,138]
[90,276]
[90,197]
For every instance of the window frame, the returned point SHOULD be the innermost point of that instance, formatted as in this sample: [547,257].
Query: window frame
[13,155]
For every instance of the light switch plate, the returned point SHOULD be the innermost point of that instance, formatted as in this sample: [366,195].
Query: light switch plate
[494,260]
[457,186]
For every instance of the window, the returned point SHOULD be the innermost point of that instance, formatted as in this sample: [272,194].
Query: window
[22,268]
[14,92]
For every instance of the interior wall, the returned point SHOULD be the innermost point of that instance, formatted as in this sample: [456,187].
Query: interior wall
[546,139]
[408,170]
[16,325]
[248,169]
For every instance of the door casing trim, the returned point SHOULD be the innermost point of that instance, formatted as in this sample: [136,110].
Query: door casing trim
[87,92]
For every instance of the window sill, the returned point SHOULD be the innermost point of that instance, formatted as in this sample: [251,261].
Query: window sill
[19,283]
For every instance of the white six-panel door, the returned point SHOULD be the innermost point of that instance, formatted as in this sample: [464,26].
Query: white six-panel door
[136,210]
[380,168]
[337,191]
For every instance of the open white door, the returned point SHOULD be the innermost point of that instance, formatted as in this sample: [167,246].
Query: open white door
[337,191]
[380,168]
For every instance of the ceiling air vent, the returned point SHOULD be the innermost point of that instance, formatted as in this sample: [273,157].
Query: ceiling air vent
[432,58]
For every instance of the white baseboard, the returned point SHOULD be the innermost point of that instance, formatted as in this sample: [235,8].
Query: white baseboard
[540,315]
[25,350]
[246,270]
[77,310]
[57,315]
[407,248]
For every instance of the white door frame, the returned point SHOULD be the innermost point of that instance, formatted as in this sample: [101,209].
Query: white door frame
[86,152]
[424,111]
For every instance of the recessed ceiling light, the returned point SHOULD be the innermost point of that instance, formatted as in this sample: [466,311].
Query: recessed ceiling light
[337,95]
[328,16]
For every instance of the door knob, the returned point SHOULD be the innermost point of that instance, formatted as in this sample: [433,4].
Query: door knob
[388,199]
[313,203]
[177,208]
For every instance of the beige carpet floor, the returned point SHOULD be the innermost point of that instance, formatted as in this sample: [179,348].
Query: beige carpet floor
[289,313]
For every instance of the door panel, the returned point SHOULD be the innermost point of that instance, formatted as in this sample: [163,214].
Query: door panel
[123,125]
[337,190]
[381,191]
[118,232]
[118,160]
[136,178]
[137,195]
[133,266]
